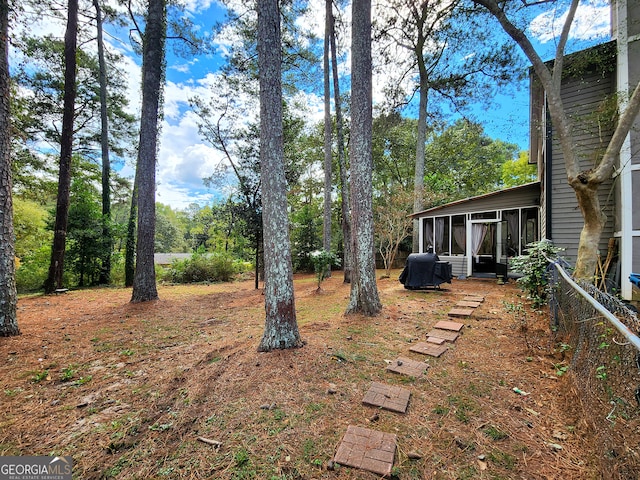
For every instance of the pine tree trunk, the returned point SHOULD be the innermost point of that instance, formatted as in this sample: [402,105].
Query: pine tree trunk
[364,290]
[107,238]
[344,180]
[56,267]
[281,328]
[418,180]
[130,245]
[328,160]
[8,296]
[144,280]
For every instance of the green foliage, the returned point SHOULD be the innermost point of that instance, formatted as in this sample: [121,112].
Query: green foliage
[67,373]
[169,235]
[203,267]
[306,236]
[462,161]
[33,244]
[533,266]
[29,226]
[39,376]
[322,262]
[394,152]
[84,232]
[39,108]
[518,172]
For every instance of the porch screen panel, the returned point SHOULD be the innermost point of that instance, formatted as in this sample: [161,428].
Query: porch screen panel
[529,225]
[459,234]
[442,235]
[512,245]
[427,234]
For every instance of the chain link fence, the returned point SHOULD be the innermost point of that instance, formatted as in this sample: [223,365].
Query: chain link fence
[601,334]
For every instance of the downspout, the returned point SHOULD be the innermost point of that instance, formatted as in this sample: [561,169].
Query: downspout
[548,173]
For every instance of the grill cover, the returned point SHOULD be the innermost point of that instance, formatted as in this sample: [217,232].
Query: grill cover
[425,270]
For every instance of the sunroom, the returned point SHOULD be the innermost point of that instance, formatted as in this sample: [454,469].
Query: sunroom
[478,235]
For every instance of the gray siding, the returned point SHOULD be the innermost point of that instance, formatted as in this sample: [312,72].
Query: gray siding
[524,196]
[458,264]
[581,98]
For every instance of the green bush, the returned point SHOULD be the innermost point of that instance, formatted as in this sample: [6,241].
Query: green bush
[203,267]
[117,268]
[322,262]
[32,270]
[534,269]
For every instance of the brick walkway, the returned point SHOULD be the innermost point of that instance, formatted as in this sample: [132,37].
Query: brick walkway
[373,450]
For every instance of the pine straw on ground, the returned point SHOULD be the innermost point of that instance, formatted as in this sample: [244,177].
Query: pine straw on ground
[127,389]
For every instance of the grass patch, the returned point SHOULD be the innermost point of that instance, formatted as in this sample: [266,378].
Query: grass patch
[37,377]
[494,433]
[464,408]
[502,459]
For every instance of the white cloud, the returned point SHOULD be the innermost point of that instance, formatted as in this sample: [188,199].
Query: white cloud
[592,21]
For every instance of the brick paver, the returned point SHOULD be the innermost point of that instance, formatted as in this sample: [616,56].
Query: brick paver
[460,312]
[447,335]
[388,397]
[429,349]
[406,366]
[467,304]
[447,325]
[436,340]
[473,298]
[367,449]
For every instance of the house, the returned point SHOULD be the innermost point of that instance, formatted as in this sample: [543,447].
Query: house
[477,235]
[166,259]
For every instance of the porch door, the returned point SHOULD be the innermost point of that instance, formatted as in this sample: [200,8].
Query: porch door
[483,246]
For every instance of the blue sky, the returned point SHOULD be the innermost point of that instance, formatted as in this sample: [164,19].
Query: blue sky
[184,158]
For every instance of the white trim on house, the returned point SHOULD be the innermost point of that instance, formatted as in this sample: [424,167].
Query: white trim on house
[626,168]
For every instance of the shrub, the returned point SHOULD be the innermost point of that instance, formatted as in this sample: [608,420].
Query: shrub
[32,270]
[533,267]
[203,267]
[322,263]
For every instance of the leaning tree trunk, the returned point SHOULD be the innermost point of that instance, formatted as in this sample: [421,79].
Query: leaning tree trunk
[347,256]
[56,267]
[8,297]
[364,290]
[107,239]
[144,280]
[281,327]
[594,221]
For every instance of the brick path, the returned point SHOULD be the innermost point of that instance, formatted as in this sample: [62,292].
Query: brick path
[373,450]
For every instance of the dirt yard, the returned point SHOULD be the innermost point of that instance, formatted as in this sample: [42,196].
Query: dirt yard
[127,390]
